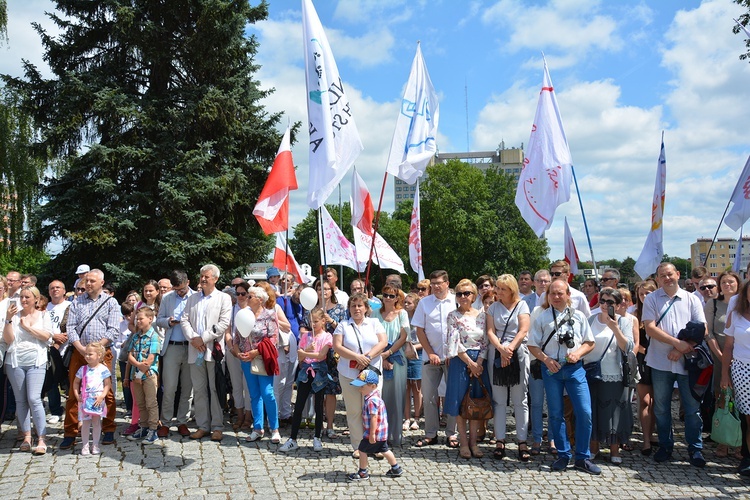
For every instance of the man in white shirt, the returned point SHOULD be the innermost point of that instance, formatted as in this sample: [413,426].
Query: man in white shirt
[56,308]
[430,319]
[174,355]
[666,311]
[561,270]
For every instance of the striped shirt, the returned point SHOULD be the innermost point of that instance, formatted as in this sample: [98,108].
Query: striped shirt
[105,325]
[374,405]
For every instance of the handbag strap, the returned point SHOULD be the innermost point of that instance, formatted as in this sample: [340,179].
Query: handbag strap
[86,323]
[666,310]
[509,317]
[557,325]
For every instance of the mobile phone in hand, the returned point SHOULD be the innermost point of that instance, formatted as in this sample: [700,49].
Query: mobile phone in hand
[611,311]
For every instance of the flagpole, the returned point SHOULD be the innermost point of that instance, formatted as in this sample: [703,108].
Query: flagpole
[717,232]
[322,242]
[585,225]
[375,229]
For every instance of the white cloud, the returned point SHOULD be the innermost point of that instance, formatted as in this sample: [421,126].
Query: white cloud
[23,40]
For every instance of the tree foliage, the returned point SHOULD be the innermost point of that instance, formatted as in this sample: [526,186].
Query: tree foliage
[471,225]
[744,19]
[20,172]
[3,20]
[154,113]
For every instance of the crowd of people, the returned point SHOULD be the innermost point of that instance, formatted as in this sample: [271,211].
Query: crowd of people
[399,360]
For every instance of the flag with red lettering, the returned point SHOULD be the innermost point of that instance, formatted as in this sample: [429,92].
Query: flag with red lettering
[334,139]
[272,209]
[544,183]
[334,245]
[571,254]
[415,238]
[284,260]
[740,211]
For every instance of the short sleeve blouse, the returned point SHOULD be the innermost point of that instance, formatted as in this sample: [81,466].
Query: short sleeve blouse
[501,317]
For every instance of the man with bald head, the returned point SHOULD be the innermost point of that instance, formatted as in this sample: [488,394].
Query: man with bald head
[94,316]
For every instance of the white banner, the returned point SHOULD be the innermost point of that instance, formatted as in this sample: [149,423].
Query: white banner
[383,255]
[334,139]
[544,183]
[338,250]
[413,143]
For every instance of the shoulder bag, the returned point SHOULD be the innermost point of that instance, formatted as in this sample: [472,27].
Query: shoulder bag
[506,376]
[536,365]
[476,408]
[594,369]
[725,425]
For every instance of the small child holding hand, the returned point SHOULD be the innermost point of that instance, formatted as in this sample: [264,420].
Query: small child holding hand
[375,423]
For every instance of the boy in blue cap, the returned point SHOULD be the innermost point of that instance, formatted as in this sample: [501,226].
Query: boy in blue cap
[375,423]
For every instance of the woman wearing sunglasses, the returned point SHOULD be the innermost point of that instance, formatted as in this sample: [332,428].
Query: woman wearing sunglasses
[395,320]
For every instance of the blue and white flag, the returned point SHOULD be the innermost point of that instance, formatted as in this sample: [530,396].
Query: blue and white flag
[653,249]
[413,143]
[334,139]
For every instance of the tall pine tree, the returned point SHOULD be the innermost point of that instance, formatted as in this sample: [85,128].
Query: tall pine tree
[154,115]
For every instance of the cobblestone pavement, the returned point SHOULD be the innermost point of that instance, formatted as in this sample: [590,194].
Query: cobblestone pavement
[180,467]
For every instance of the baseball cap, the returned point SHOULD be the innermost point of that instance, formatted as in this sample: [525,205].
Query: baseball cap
[365,377]
[272,271]
[83,268]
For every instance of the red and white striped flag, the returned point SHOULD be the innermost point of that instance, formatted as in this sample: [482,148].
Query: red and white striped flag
[284,259]
[272,209]
[571,254]
[415,238]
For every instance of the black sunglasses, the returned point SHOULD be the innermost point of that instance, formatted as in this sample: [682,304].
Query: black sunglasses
[608,302]
[80,289]
[241,294]
[556,273]
[464,294]
[707,287]
[389,296]
[422,288]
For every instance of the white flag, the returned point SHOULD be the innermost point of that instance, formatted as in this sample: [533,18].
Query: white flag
[413,143]
[740,211]
[334,139]
[544,183]
[737,266]
[653,250]
[383,255]
[338,250]
[571,254]
[743,28]
[415,238]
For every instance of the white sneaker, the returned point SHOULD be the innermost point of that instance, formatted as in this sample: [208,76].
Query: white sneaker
[275,437]
[290,445]
[53,419]
[317,445]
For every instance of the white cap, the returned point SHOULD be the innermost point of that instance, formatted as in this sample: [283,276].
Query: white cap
[83,268]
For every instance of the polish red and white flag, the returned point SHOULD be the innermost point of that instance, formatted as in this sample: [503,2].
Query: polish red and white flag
[272,209]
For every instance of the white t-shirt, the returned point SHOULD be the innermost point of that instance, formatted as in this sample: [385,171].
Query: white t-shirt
[611,364]
[740,330]
[56,312]
[364,335]
[577,299]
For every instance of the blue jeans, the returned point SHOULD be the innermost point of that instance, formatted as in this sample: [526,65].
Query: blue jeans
[571,378]
[536,393]
[260,388]
[663,382]
[27,382]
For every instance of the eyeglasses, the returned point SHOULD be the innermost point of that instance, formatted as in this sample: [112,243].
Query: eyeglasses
[543,282]
[389,296]
[707,287]
[422,288]
[609,302]
[464,294]
[80,289]
[556,274]
[609,279]
[241,294]
[436,283]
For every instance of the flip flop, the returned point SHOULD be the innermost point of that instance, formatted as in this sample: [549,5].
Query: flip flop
[452,442]
[425,441]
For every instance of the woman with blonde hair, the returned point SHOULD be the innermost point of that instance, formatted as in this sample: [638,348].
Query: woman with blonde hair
[507,327]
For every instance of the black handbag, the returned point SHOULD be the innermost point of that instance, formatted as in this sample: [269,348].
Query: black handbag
[594,369]
[506,376]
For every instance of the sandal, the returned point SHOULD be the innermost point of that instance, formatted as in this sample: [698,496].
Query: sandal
[331,434]
[523,453]
[414,425]
[452,442]
[406,425]
[25,446]
[464,452]
[425,441]
[626,447]
[41,447]
[499,452]
[536,448]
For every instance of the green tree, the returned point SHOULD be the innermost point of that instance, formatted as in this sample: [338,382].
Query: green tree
[20,172]
[627,271]
[24,260]
[3,20]
[745,21]
[155,114]
[471,225]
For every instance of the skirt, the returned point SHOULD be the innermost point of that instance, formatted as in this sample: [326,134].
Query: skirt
[458,383]
[611,415]
[741,382]
[414,367]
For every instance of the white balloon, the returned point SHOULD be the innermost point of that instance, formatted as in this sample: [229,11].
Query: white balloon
[244,320]
[308,298]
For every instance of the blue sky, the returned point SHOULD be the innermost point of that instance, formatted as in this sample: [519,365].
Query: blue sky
[623,72]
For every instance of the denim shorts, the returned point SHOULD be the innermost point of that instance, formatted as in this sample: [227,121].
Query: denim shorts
[414,369]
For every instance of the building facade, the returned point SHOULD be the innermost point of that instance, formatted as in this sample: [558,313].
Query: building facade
[722,254]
